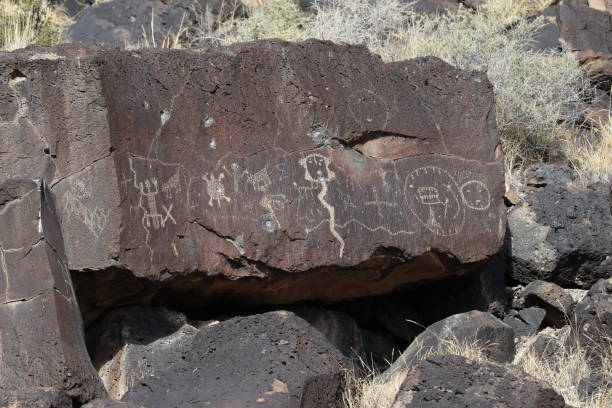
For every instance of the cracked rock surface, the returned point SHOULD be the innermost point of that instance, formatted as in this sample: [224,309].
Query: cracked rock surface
[264,172]
[41,334]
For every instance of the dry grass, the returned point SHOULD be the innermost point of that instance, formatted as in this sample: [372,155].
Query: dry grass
[567,366]
[26,22]
[369,391]
[592,156]
[562,370]
[267,19]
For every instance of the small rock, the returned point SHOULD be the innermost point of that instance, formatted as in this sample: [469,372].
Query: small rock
[525,322]
[593,316]
[483,330]
[455,382]
[550,297]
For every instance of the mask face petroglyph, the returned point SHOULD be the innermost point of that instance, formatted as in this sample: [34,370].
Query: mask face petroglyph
[317,168]
[433,196]
[476,195]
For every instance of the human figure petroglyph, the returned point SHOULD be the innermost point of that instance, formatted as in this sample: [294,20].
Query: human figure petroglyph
[260,181]
[433,196]
[152,218]
[215,189]
[316,167]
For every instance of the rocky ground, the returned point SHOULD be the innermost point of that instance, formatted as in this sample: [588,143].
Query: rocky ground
[276,224]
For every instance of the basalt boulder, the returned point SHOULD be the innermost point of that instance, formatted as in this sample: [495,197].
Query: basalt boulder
[455,382]
[561,230]
[265,172]
[275,359]
[43,359]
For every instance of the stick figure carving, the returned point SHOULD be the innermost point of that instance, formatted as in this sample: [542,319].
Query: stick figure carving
[149,190]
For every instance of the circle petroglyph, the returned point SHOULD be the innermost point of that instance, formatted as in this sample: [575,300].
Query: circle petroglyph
[476,195]
[433,196]
[368,109]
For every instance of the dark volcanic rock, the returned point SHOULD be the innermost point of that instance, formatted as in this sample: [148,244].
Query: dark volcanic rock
[561,232]
[589,33]
[130,344]
[525,322]
[552,298]
[274,359]
[127,22]
[593,316]
[108,403]
[337,327]
[265,172]
[472,328]
[455,382]
[41,333]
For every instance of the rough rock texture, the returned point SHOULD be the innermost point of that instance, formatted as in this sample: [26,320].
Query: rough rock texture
[562,231]
[495,337]
[35,398]
[525,322]
[264,172]
[593,316]
[337,327]
[41,333]
[108,403]
[130,344]
[274,359]
[550,297]
[121,22]
[455,382]
[589,33]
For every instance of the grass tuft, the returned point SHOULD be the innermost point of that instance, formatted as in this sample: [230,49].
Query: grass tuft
[26,22]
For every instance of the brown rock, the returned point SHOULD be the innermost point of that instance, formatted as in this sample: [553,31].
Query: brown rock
[41,333]
[266,172]
[593,317]
[455,382]
[550,297]
[589,32]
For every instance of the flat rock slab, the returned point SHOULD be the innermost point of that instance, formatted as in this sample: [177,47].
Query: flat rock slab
[41,333]
[275,360]
[455,382]
[264,172]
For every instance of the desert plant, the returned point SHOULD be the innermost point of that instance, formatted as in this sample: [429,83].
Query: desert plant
[25,22]
[591,156]
[267,19]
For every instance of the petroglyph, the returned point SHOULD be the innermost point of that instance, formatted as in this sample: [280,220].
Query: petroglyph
[94,217]
[270,202]
[368,109]
[172,186]
[476,195]
[151,217]
[215,189]
[316,167]
[432,195]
